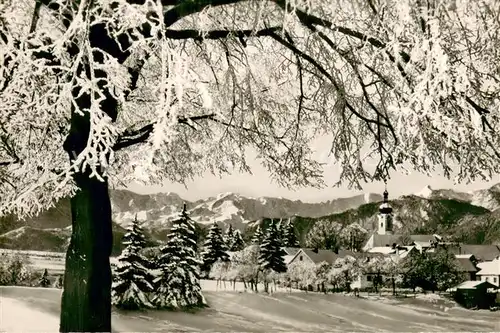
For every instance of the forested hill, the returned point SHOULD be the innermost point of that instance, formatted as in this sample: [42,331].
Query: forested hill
[414,215]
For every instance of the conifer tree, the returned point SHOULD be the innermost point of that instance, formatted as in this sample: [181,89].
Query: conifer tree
[280,228]
[229,237]
[238,243]
[289,236]
[271,253]
[258,236]
[178,284]
[215,248]
[132,280]
[44,280]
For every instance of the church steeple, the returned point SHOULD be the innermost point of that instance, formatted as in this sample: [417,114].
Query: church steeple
[385,215]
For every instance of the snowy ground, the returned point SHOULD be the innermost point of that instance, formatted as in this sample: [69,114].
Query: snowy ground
[210,285]
[36,309]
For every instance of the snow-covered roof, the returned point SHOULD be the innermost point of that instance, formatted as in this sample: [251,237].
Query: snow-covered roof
[404,253]
[463,256]
[422,244]
[288,258]
[469,284]
[382,249]
[490,268]
[385,205]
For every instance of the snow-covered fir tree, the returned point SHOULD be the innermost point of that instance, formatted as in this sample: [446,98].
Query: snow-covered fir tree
[178,283]
[289,235]
[131,283]
[271,255]
[44,280]
[238,243]
[229,237]
[280,227]
[214,249]
[258,236]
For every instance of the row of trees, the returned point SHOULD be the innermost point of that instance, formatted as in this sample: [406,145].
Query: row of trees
[285,233]
[331,235]
[171,278]
[256,263]
[428,271]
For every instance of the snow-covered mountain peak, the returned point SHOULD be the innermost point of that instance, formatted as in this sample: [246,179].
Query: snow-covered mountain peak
[426,192]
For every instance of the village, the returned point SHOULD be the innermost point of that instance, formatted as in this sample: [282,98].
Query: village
[470,273]
[387,263]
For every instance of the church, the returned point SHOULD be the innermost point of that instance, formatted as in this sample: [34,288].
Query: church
[383,240]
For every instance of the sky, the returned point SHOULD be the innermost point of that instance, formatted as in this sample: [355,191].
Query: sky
[259,184]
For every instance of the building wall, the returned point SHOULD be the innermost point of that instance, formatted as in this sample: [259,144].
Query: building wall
[361,282]
[301,256]
[493,279]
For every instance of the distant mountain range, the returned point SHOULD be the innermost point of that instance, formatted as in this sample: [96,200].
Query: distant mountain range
[426,211]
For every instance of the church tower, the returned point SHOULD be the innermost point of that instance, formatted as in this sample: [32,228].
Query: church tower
[385,216]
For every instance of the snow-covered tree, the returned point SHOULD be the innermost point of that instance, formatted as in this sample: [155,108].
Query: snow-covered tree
[229,236]
[392,268]
[247,265]
[376,268]
[178,282]
[432,271]
[289,235]
[132,281]
[324,234]
[59,282]
[44,280]
[94,92]
[238,243]
[271,255]
[214,249]
[303,273]
[219,271]
[321,274]
[353,237]
[258,236]
[346,269]
[280,229]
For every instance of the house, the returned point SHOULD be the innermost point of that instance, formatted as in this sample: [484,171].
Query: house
[398,250]
[314,256]
[490,271]
[483,252]
[365,280]
[475,294]
[467,266]
[290,253]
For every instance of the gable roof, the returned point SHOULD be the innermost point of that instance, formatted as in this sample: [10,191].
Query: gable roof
[490,268]
[322,255]
[291,251]
[466,265]
[423,238]
[385,240]
[482,252]
[474,284]
[382,249]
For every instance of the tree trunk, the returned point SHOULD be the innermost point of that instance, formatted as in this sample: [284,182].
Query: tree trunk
[86,298]
[393,286]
